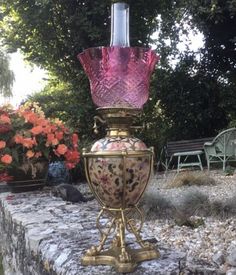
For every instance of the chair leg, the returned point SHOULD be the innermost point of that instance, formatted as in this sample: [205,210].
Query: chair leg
[200,162]
[168,163]
[224,164]
[178,168]
[208,163]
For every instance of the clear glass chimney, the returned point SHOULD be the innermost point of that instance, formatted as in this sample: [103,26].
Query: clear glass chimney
[120,25]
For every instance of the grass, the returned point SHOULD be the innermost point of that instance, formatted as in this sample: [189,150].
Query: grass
[155,206]
[224,209]
[190,179]
[190,204]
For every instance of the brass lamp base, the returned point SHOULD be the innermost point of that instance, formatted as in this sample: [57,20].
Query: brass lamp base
[119,255]
[112,257]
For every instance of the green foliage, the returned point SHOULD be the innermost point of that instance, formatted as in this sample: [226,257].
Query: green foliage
[194,99]
[51,33]
[6,76]
[60,100]
[191,102]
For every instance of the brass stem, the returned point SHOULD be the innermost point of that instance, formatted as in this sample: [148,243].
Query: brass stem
[104,235]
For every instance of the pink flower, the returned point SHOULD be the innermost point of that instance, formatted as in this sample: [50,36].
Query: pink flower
[5,119]
[7,159]
[61,149]
[37,130]
[2,144]
[30,154]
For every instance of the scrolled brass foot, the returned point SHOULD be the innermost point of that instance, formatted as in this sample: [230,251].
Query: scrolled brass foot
[148,245]
[93,251]
[125,257]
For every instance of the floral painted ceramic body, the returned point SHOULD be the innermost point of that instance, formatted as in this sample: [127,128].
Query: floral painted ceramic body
[120,171]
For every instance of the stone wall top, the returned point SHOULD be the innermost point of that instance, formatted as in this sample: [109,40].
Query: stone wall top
[42,234]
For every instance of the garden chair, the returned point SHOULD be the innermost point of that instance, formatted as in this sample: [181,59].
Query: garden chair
[222,148]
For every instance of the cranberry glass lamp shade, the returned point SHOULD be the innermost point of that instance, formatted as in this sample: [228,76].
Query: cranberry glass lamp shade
[119,76]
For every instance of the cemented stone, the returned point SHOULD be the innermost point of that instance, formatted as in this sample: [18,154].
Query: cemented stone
[42,234]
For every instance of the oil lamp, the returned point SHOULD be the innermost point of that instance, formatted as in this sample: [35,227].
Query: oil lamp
[118,166]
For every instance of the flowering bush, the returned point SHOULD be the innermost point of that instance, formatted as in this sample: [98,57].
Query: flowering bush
[27,136]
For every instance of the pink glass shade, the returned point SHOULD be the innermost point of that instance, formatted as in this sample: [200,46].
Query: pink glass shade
[119,76]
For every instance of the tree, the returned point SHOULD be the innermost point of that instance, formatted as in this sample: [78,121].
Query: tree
[187,101]
[51,33]
[215,19]
[6,76]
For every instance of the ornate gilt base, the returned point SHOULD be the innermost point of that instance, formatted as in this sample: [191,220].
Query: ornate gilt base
[119,255]
[112,257]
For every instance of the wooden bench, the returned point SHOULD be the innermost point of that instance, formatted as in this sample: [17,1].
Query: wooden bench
[183,150]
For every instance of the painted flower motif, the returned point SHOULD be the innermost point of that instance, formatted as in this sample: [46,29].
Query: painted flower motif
[116,146]
[6,159]
[105,180]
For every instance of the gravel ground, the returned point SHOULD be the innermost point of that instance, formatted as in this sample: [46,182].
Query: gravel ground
[212,245]
[214,242]
[223,189]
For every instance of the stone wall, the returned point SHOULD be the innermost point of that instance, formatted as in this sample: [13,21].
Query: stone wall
[41,235]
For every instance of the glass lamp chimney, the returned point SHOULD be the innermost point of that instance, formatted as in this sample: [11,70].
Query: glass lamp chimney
[120,24]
